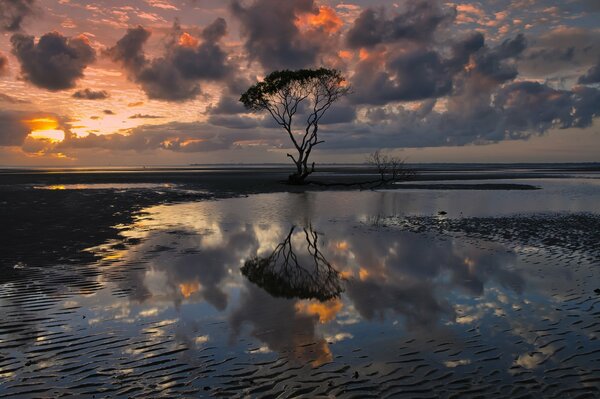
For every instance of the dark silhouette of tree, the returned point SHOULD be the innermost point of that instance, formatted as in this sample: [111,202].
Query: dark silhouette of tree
[391,169]
[282,94]
[283,274]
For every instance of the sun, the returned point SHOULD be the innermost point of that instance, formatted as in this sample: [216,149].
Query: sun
[45,128]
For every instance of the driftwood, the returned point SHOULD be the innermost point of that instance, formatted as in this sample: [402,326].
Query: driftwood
[389,168]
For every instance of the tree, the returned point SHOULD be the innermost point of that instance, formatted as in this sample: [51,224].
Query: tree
[283,93]
[391,169]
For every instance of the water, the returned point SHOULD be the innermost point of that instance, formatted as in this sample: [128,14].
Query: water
[321,293]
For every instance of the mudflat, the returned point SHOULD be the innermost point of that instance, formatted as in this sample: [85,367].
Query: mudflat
[225,282]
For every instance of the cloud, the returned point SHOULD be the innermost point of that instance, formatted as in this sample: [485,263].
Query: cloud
[293,332]
[532,106]
[561,51]
[273,36]
[3,65]
[108,112]
[499,63]
[234,121]
[12,13]
[229,103]
[14,129]
[88,94]
[55,62]
[591,5]
[215,31]
[12,100]
[418,21]
[173,136]
[479,115]
[414,71]
[176,75]
[591,76]
[144,116]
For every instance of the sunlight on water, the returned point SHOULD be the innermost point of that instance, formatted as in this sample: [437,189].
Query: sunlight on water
[104,186]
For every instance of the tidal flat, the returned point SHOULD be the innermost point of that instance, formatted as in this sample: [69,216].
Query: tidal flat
[480,282]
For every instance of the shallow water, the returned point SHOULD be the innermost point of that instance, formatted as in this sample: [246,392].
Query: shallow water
[314,294]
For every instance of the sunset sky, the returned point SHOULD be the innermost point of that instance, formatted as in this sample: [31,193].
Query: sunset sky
[147,82]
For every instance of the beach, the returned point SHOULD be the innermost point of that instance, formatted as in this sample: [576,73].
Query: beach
[467,281]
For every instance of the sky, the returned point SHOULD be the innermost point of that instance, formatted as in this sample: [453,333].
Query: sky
[157,82]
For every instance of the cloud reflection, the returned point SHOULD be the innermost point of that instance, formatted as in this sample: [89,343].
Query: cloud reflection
[384,273]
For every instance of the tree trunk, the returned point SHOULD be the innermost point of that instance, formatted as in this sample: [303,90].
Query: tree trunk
[302,170]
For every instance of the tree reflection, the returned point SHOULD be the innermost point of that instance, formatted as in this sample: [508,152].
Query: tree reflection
[286,274]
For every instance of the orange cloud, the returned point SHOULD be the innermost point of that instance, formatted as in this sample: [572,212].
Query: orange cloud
[187,40]
[326,19]
[188,289]
[345,54]
[470,9]
[325,310]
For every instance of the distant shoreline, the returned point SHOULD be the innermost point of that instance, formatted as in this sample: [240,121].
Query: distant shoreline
[427,166]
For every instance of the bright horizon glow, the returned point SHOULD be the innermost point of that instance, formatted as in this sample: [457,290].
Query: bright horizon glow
[53,135]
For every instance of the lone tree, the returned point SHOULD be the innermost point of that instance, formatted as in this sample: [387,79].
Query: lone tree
[282,93]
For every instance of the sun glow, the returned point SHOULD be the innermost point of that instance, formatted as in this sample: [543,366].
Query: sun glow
[45,128]
[49,134]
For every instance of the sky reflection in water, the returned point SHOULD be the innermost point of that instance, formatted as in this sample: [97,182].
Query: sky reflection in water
[313,287]
[395,284]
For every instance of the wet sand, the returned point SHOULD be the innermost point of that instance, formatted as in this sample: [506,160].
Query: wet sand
[135,293]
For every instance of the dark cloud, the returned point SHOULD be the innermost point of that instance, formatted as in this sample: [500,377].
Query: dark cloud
[176,75]
[553,54]
[560,51]
[144,116]
[591,76]
[418,21]
[12,13]
[416,72]
[463,49]
[108,112]
[340,113]
[514,111]
[532,106]
[3,65]
[215,31]
[88,94]
[591,5]
[206,62]
[499,63]
[271,35]
[234,121]
[412,56]
[55,62]
[420,74]
[229,102]
[129,49]
[14,129]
